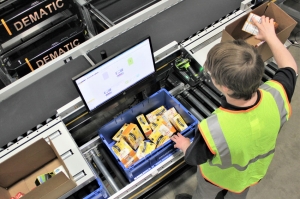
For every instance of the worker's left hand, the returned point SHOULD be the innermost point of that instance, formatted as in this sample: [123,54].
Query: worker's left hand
[181,142]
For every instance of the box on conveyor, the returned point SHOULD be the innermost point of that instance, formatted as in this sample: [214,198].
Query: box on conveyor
[158,99]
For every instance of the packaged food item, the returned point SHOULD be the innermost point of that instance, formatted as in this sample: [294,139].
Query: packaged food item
[144,125]
[158,139]
[162,120]
[249,24]
[144,149]
[154,114]
[125,153]
[179,123]
[133,135]
[118,135]
[170,113]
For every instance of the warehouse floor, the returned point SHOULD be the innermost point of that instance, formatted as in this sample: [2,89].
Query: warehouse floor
[283,177]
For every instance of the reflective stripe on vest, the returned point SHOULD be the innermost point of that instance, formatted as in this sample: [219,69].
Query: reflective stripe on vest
[279,101]
[223,149]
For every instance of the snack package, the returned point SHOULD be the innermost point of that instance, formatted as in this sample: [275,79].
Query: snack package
[154,114]
[170,113]
[144,149]
[162,120]
[118,135]
[133,135]
[158,139]
[144,125]
[125,153]
[179,123]
[249,25]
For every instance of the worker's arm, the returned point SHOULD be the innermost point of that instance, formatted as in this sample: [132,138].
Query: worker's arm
[267,33]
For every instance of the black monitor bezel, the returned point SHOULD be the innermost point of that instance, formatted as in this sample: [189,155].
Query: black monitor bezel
[139,85]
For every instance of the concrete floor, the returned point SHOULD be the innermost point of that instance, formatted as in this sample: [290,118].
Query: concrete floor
[283,177]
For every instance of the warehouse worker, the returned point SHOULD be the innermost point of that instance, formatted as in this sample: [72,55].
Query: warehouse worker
[235,145]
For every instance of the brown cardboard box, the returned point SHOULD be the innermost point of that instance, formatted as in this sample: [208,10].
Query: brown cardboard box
[285,26]
[18,173]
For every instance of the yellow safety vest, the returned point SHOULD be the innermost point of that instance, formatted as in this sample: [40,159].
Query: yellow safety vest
[243,141]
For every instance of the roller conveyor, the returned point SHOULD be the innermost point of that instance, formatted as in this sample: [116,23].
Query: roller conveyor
[174,24]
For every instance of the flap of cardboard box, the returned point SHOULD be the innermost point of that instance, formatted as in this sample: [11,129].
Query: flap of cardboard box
[25,162]
[53,188]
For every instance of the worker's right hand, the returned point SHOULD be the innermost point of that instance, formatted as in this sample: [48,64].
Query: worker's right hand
[266,29]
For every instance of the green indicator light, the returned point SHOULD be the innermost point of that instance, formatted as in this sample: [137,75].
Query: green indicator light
[201,68]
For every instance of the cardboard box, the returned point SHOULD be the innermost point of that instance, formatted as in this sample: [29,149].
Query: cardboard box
[285,26]
[18,173]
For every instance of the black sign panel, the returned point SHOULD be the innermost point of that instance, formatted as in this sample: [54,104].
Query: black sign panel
[27,17]
[47,53]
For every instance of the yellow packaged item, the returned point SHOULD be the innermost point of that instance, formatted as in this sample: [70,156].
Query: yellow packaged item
[164,130]
[125,153]
[133,135]
[144,149]
[161,120]
[144,124]
[158,139]
[154,114]
[122,149]
[118,135]
[169,114]
[179,123]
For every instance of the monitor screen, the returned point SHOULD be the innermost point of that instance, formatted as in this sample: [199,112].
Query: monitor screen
[115,74]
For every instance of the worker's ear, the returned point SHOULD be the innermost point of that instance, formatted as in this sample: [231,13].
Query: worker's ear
[225,90]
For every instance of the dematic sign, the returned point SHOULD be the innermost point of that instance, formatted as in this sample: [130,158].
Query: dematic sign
[35,13]
[44,54]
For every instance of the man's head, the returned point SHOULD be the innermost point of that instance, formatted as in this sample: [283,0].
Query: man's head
[237,66]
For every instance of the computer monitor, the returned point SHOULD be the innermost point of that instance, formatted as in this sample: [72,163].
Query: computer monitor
[113,76]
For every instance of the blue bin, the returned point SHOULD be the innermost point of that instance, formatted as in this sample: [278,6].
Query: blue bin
[160,98]
[99,193]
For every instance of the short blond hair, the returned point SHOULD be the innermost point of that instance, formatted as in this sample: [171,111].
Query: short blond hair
[236,65]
